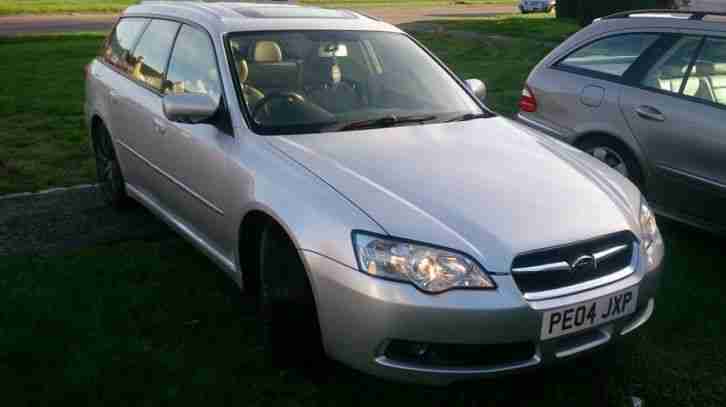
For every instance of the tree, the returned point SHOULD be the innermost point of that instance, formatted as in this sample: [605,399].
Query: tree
[584,11]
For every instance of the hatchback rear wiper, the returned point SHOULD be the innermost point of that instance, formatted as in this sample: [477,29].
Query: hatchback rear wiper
[467,117]
[386,121]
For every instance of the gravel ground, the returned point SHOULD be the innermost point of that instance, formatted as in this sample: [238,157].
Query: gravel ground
[62,220]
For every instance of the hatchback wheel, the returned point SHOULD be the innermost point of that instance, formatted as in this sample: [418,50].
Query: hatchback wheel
[290,329]
[110,180]
[615,156]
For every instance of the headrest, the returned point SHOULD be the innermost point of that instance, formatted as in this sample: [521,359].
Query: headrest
[720,68]
[704,69]
[244,71]
[267,51]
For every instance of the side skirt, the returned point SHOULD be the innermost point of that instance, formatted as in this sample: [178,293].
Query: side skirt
[227,265]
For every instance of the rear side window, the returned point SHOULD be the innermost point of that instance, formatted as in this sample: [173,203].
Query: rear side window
[152,53]
[122,41]
[708,78]
[669,73]
[611,56]
[193,66]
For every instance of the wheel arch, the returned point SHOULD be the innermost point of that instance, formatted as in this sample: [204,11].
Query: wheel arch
[630,146]
[249,234]
[95,124]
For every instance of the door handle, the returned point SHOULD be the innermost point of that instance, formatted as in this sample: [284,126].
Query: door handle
[113,95]
[650,113]
[159,126]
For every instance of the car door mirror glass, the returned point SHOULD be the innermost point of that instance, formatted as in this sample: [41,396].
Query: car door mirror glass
[478,87]
[189,107]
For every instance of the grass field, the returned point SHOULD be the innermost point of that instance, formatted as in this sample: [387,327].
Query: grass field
[42,142]
[43,145]
[150,323]
[104,6]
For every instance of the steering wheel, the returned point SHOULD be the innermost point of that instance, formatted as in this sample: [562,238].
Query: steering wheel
[289,97]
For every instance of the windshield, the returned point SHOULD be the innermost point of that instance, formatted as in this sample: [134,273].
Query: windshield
[295,82]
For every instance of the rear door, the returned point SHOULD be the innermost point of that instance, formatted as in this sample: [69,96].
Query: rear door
[140,112]
[677,112]
[196,154]
[114,79]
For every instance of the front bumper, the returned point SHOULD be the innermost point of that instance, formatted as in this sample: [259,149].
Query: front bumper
[360,316]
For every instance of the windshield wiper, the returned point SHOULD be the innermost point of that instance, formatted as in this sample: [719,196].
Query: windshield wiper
[467,117]
[386,121]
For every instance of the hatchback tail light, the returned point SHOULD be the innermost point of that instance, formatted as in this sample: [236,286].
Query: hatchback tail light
[528,103]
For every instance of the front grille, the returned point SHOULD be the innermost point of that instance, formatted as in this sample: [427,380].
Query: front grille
[552,268]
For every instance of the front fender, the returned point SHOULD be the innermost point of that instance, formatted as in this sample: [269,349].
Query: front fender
[316,217]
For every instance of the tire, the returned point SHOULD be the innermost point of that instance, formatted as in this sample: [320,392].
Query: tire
[289,322]
[110,179]
[616,156]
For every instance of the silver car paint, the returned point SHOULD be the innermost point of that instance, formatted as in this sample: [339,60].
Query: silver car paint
[472,197]
[682,158]
[491,188]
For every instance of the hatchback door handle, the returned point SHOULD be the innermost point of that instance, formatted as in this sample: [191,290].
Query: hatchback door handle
[159,126]
[650,113]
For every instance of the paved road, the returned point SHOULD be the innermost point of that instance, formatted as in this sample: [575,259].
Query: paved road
[34,24]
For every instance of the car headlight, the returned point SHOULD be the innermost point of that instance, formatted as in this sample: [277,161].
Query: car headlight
[651,237]
[429,268]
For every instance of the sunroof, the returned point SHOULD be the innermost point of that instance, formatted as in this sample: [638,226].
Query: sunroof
[291,12]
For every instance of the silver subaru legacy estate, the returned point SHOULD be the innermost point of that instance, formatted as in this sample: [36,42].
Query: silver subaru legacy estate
[384,216]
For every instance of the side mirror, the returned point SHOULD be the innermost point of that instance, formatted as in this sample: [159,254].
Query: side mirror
[478,88]
[189,107]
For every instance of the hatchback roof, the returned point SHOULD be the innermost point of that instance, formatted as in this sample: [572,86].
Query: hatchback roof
[269,15]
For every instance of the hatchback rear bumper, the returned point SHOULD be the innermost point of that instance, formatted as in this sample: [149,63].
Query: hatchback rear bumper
[361,317]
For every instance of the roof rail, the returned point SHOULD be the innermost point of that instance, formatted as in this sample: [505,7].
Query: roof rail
[694,14]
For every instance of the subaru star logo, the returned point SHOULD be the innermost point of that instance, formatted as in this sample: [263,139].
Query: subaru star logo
[583,264]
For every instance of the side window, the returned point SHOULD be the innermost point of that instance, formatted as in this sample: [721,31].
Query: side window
[193,66]
[612,55]
[669,73]
[708,79]
[151,54]
[121,42]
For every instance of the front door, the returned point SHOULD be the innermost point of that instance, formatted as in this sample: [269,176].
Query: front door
[197,153]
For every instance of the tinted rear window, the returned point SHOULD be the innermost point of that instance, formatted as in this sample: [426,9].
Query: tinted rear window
[152,53]
[612,55]
[122,41]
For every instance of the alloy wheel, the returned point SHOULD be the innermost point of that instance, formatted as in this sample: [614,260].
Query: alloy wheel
[611,158]
[106,168]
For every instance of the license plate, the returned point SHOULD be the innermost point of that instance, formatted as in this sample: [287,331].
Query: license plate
[578,317]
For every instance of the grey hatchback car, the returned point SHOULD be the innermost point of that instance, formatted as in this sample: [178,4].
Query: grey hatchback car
[386,218]
[645,92]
